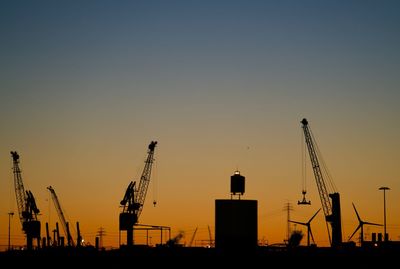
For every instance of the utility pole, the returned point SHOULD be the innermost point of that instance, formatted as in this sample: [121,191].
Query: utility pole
[384,189]
[100,233]
[288,207]
[10,214]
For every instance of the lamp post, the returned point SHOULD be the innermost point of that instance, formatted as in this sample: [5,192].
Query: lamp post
[10,214]
[384,189]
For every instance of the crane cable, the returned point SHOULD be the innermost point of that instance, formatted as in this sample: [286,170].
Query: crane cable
[303,164]
[12,190]
[303,173]
[155,183]
[331,185]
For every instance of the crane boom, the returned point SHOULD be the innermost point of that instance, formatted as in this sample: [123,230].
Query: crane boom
[61,216]
[322,190]
[193,236]
[331,210]
[19,187]
[145,178]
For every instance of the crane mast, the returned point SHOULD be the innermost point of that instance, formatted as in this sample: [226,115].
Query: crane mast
[61,216]
[134,198]
[331,210]
[27,208]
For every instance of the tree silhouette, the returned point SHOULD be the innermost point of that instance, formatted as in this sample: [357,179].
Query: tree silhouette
[175,241]
[295,238]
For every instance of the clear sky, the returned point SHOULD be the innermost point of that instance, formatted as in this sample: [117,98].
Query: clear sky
[221,85]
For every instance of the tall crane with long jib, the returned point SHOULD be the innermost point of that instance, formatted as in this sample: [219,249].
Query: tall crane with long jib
[60,213]
[134,197]
[27,209]
[331,209]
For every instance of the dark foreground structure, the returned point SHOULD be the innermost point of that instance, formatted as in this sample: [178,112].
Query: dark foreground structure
[184,257]
[236,224]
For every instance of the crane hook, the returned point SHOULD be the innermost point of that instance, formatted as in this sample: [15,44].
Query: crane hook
[304,201]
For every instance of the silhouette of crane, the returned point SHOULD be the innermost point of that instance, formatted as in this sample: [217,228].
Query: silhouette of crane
[27,209]
[60,213]
[331,209]
[134,198]
[193,236]
[361,226]
[308,225]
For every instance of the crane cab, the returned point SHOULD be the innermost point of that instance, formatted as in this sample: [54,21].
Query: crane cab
[126,221]
[32,228]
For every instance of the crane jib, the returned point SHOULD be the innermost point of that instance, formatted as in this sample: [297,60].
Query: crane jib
[331,210]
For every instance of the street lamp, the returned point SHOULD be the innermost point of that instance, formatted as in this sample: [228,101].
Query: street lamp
[10,214]
[384,212]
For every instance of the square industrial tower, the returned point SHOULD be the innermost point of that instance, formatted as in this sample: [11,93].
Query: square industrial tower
[236,224]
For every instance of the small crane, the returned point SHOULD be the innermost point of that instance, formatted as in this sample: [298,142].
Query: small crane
[134,198]
[60,213]
[27,208]
[193,236]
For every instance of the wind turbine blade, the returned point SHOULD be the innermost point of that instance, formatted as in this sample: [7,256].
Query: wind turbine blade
[358,227]
[312,237]
[370,223]
[297,222]
[314,215]
[358,216]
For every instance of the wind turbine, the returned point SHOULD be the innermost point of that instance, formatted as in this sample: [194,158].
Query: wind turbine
[361,226]
[308,225]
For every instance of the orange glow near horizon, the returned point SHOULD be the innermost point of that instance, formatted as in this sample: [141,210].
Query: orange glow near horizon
[95,203]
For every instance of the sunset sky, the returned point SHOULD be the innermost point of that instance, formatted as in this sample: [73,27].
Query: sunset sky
[221,85]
